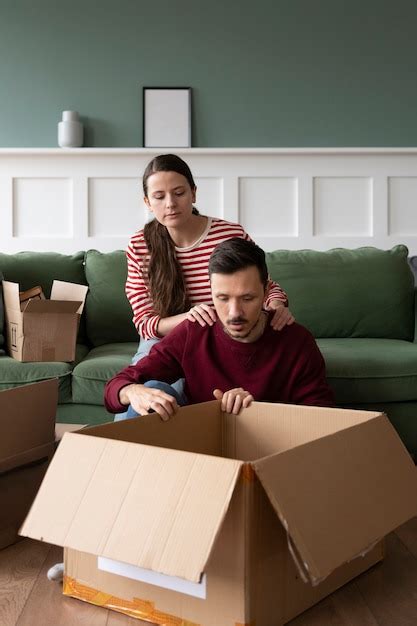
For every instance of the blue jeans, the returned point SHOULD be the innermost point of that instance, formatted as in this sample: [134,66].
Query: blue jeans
[176,389]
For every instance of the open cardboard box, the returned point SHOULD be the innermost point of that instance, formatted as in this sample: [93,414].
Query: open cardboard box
[43,330]
[27,434]
[212,519]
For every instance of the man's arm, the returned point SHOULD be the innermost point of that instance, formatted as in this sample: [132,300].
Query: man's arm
[162,363]
[145,399]
[310,385]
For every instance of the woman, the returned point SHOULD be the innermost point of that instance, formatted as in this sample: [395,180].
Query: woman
[167,260]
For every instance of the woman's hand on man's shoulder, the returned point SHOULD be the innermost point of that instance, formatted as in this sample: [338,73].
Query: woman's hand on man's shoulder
[204,314]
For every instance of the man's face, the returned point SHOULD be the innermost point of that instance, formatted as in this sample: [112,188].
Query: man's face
[238,300]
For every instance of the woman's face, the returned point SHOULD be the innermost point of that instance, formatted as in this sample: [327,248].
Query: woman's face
[170,198]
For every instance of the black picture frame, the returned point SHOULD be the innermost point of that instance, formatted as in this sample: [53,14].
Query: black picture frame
[166,118]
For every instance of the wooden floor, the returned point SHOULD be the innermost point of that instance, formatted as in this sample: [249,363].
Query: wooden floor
[386,595]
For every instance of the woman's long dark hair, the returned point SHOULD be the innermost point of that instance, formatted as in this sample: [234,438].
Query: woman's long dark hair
[164,274]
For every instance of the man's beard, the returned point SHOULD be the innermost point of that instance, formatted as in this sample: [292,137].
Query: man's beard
[238,320]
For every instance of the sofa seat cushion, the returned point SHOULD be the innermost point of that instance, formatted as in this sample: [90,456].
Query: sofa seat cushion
[101,363]
[84,414]
[13,373]
[371,370]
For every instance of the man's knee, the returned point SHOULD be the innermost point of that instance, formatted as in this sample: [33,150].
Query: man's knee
[169,389]
[131,412]
[152,384]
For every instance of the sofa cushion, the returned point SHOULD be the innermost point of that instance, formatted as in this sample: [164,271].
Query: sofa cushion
[348,293]
[90,414]
[2,328]
[13,373]
[370,370]
[42,268]
[108,312]
[101,363]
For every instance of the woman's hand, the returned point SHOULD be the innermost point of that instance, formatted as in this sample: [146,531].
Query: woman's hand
[145,399]
[203,314]
[282,315]
[233,400]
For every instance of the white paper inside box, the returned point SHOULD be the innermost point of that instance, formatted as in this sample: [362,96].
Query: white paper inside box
[43,330]
[234,499]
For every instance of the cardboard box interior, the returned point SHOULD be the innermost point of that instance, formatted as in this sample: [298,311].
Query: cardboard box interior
[238,498]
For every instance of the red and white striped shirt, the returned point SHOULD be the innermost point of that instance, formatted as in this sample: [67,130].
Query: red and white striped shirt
[194,263]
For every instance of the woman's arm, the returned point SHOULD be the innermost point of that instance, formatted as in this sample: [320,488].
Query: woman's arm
[201,313]
[148,323]
[145,317]
[273,291]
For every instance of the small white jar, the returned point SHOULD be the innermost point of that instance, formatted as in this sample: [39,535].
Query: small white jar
[70,130]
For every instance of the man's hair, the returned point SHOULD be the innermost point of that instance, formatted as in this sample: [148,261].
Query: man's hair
[237,254]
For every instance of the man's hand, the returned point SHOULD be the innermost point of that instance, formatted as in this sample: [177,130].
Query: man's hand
[282,316]
[144,399]
[203,314]
[233,400]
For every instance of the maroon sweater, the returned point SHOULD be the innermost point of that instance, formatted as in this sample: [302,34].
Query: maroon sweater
[281,366]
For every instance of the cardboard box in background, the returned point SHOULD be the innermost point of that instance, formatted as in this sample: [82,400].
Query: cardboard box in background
[43,330]
[212,519]
[27,433]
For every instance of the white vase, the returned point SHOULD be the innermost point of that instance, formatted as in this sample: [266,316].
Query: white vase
[70,130]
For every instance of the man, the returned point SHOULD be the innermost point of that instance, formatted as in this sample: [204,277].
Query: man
[237,358]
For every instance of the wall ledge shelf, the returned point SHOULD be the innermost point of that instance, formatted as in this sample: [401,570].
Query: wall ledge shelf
[209,151]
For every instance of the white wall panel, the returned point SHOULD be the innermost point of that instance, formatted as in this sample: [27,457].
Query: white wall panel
[6,210]
[209,200]
[42,207]
[68,200]
[262,199]
[343,206]
[115,207]
[402,203]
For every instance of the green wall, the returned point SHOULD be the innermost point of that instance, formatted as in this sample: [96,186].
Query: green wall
[264,73]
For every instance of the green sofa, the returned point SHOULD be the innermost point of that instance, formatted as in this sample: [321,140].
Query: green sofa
[107,338]
[359,304]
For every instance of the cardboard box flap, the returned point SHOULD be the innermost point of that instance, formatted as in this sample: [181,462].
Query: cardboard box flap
[51,306]
[11,296]
[337,495]
[62,290]
[155,508]
[28,422]
[27,457]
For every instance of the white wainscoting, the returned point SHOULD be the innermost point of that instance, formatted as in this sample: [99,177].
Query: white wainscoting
[69,200]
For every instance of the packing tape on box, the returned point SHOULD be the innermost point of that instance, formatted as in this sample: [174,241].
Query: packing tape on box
[141,609]
[248,476]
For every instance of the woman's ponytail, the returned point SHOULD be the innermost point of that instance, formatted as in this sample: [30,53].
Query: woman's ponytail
[164,274]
